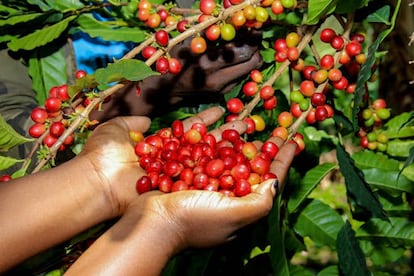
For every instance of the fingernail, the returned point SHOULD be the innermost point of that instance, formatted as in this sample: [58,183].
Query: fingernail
[276,185]
[222,108]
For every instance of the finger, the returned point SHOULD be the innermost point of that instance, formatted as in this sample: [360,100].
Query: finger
[139,123]
[233,72]
[280,166]
[207,117]
[240,126]
[253,206]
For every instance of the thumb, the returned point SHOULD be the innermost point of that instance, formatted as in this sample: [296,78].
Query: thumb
[268,186]
[139,123]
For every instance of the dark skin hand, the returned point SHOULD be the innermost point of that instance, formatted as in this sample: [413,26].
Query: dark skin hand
[156,226]
[203,79]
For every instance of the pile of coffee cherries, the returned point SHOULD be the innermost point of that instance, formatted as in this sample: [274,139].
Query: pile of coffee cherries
[176,160]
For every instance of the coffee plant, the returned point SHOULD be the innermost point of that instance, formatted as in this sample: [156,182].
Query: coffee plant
[346,208]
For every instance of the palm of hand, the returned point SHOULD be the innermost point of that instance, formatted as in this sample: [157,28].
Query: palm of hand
[111,152]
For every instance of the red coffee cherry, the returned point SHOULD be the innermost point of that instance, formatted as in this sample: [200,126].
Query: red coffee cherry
[162,37]
[235,105]
[327,35]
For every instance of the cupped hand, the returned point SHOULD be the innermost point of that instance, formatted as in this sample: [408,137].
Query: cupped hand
[111,152]
[205,218]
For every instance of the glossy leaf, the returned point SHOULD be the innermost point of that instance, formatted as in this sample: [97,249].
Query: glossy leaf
[369,159]
[47,71]
[398,232]
[319,222]
[41,4]
[351,258]
[390,181]
[128,69]
[400,148]
[9,138]
[12,20]
[318,9]
[40,37]
[400,126]
[107,31]
[381,15]
[309,182]
[6,162]
[357,187]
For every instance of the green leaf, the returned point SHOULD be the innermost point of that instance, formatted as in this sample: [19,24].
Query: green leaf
[399,126]
[309,182]
[318,9]
[351,258]
[390,181]
[319,222]
[47,70]
[363,76]
[357,187]
[276,236]
[43,6]
[317,135]
[128,69]
[407,164]
[65,5]
[397,233]
[329,271]
[106,31]
[6,162]
[381,15]
[40,37]
[9,138]
[350,6]
[368,159]
[21,18]
[399,148]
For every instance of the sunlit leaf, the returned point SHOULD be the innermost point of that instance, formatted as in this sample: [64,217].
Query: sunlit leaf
[319,222]
[9,138]
[40,37]
[399,126]
[368,159]
[12,20]
[390,181]
[6,162]
[318,9]
[107,31]
[128,69]
[400,148]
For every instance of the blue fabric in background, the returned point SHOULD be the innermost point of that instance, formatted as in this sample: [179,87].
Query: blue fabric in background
[94,53]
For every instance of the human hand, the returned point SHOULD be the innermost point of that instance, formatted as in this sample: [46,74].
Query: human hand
[204,218]
[203,79]
[111,153]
